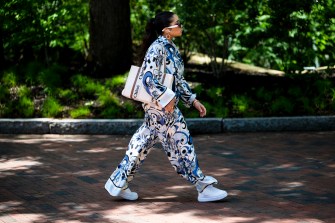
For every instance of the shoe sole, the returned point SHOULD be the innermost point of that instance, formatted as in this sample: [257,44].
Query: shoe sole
[209,199]
[130,198]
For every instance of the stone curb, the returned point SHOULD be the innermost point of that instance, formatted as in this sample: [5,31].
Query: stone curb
[195,125]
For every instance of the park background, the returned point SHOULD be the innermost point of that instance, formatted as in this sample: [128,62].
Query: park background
[251,58]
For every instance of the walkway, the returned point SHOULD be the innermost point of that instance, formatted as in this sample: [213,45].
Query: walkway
[271,177]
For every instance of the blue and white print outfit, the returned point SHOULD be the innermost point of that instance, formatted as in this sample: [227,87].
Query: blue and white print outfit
[169,128]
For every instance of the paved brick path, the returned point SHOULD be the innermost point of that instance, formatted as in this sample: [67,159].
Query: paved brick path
[271,177]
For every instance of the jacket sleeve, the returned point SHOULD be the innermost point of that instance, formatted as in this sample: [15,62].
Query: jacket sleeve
[152,69]
[186,95]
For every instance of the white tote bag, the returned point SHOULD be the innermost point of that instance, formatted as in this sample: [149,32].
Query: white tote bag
[134,88]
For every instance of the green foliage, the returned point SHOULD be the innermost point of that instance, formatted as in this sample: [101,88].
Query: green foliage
[282,106]
[86,85]
[323,86]
[215,110]
[332,94]
[81,112]
[9,79]
[32,26]
[51,76]
[215,92]
[116,81]
[241,104]
[110,112]
[67,95]
[4,93]
[142,11]
[264,95]
[45,43]
[51,107]
[31,72]
[332,106]
[107,98]
[273,34]
[84,97]
[131,108]
[25,106]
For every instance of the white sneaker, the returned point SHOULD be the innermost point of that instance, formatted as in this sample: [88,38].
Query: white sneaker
[211,193]
[128,194]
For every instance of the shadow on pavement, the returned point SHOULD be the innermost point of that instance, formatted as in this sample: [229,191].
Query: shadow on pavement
[270,177]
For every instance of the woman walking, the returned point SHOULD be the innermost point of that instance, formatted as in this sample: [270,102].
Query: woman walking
[163,120]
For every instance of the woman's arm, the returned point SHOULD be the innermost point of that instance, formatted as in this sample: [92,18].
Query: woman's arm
[188,98]
[153,61]
[186,95]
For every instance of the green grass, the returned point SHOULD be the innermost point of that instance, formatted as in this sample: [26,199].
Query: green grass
[40,91]
[81,112]
[51,108]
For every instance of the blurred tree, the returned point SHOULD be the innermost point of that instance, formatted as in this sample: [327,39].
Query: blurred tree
[43,30]
[323,32]
[211,25]
[141,12]
[273,34]
[2,52]
[110,36]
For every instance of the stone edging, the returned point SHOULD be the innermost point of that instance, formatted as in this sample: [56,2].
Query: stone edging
[195,125]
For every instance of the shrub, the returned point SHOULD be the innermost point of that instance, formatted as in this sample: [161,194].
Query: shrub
[4,93]
[31,72]
[264,95]
[240,104]
[117,81]
[306,105]
[25,107]
[131,109]
[9,79]
[332,98]
[51,107]
[215,92]
[86,85]
[107,98]
[110,112]
[214,110]
[80,112]
[23,91]
[322,86]
[51,77]
[67,95]
[281,106]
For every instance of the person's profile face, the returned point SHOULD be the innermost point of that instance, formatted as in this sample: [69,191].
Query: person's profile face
[175,26]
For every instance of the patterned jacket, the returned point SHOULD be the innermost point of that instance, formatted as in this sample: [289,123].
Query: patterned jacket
[153,66]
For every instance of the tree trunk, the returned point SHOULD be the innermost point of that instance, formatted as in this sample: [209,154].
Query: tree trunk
[110,37]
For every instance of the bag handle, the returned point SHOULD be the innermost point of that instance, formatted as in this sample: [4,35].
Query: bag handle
[132,89]
[164,74]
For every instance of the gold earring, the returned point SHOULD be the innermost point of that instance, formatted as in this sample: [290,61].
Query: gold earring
[168,36]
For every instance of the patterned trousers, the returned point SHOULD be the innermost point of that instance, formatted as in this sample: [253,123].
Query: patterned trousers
[171,130]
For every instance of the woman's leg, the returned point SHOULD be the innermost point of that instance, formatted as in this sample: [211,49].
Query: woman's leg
[177,143]
[179,148]
[174,136]
[138,149]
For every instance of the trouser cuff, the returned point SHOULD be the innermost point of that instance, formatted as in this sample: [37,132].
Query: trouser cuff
[202,184]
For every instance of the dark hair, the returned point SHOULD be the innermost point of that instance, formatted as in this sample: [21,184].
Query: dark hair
[153,30]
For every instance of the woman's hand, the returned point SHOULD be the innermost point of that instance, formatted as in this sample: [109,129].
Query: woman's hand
[170,107]
[200,107]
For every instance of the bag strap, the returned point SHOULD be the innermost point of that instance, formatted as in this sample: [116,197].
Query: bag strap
[132,89]
[165,56]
